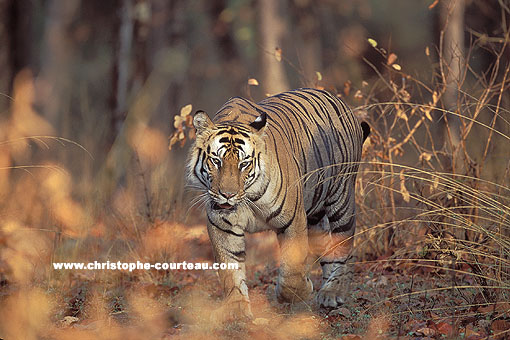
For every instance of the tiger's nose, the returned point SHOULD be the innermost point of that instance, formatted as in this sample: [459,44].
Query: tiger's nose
[227,194]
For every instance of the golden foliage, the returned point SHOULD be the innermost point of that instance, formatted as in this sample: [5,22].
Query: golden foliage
[183,124]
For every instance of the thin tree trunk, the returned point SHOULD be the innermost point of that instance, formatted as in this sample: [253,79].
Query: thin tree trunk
[22,22]
[271,26]
[5,56]
[121,69]
[6,74]
[117,159]
[452,20]
[56,62]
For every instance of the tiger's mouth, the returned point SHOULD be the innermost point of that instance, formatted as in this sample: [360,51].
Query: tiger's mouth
[223,206]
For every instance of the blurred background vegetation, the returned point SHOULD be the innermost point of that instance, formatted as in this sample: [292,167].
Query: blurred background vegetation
[90,92]
[111,75]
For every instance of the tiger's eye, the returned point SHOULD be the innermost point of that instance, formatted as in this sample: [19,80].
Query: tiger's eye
[244,164]
[216,161]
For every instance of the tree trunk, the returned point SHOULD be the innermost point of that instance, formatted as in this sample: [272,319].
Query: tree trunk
[56,62]
[271,26]
[452,21]
[6,74]
[5,56]
[22,20]
[121,69]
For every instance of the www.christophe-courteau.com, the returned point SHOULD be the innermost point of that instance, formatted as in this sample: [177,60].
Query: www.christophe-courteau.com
[130,266]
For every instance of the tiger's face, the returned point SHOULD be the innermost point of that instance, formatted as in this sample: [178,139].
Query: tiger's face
[226,161]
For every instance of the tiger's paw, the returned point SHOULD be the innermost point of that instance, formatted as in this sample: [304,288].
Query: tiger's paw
[329,298]
[296,292]
[335,289]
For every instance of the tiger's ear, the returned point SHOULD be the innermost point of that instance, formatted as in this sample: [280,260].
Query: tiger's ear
[202,122]
[260,122]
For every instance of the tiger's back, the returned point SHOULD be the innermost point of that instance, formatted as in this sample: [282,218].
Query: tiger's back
[320,134]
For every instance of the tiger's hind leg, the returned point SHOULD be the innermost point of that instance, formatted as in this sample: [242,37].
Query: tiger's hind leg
[336,262]
[319,238]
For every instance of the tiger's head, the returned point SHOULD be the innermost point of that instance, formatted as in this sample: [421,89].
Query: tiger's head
[227,159]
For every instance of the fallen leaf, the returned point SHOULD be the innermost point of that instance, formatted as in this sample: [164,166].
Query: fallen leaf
[500,307]
[432,5]
[403,189]
[178,120]
[426,156]
[486,309]
[500,329]
[391,59]
[347,88]
[186,110]
[426,331]
[470,332]
[173,140]
[278,54]
[189,120]
[372,42]
[68,321]
[444,328]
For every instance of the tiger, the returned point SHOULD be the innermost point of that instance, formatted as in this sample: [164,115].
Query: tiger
[288,164]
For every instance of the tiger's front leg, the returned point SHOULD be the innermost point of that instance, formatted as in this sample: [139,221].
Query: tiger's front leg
[229,247]
[337,260]
[293,282]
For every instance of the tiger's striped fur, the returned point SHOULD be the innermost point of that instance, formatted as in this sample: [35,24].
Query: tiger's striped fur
[287,164]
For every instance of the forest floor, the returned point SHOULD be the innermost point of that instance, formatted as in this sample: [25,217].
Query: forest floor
[389,300]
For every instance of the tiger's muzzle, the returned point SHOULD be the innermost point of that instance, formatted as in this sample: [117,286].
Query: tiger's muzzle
[225,201]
